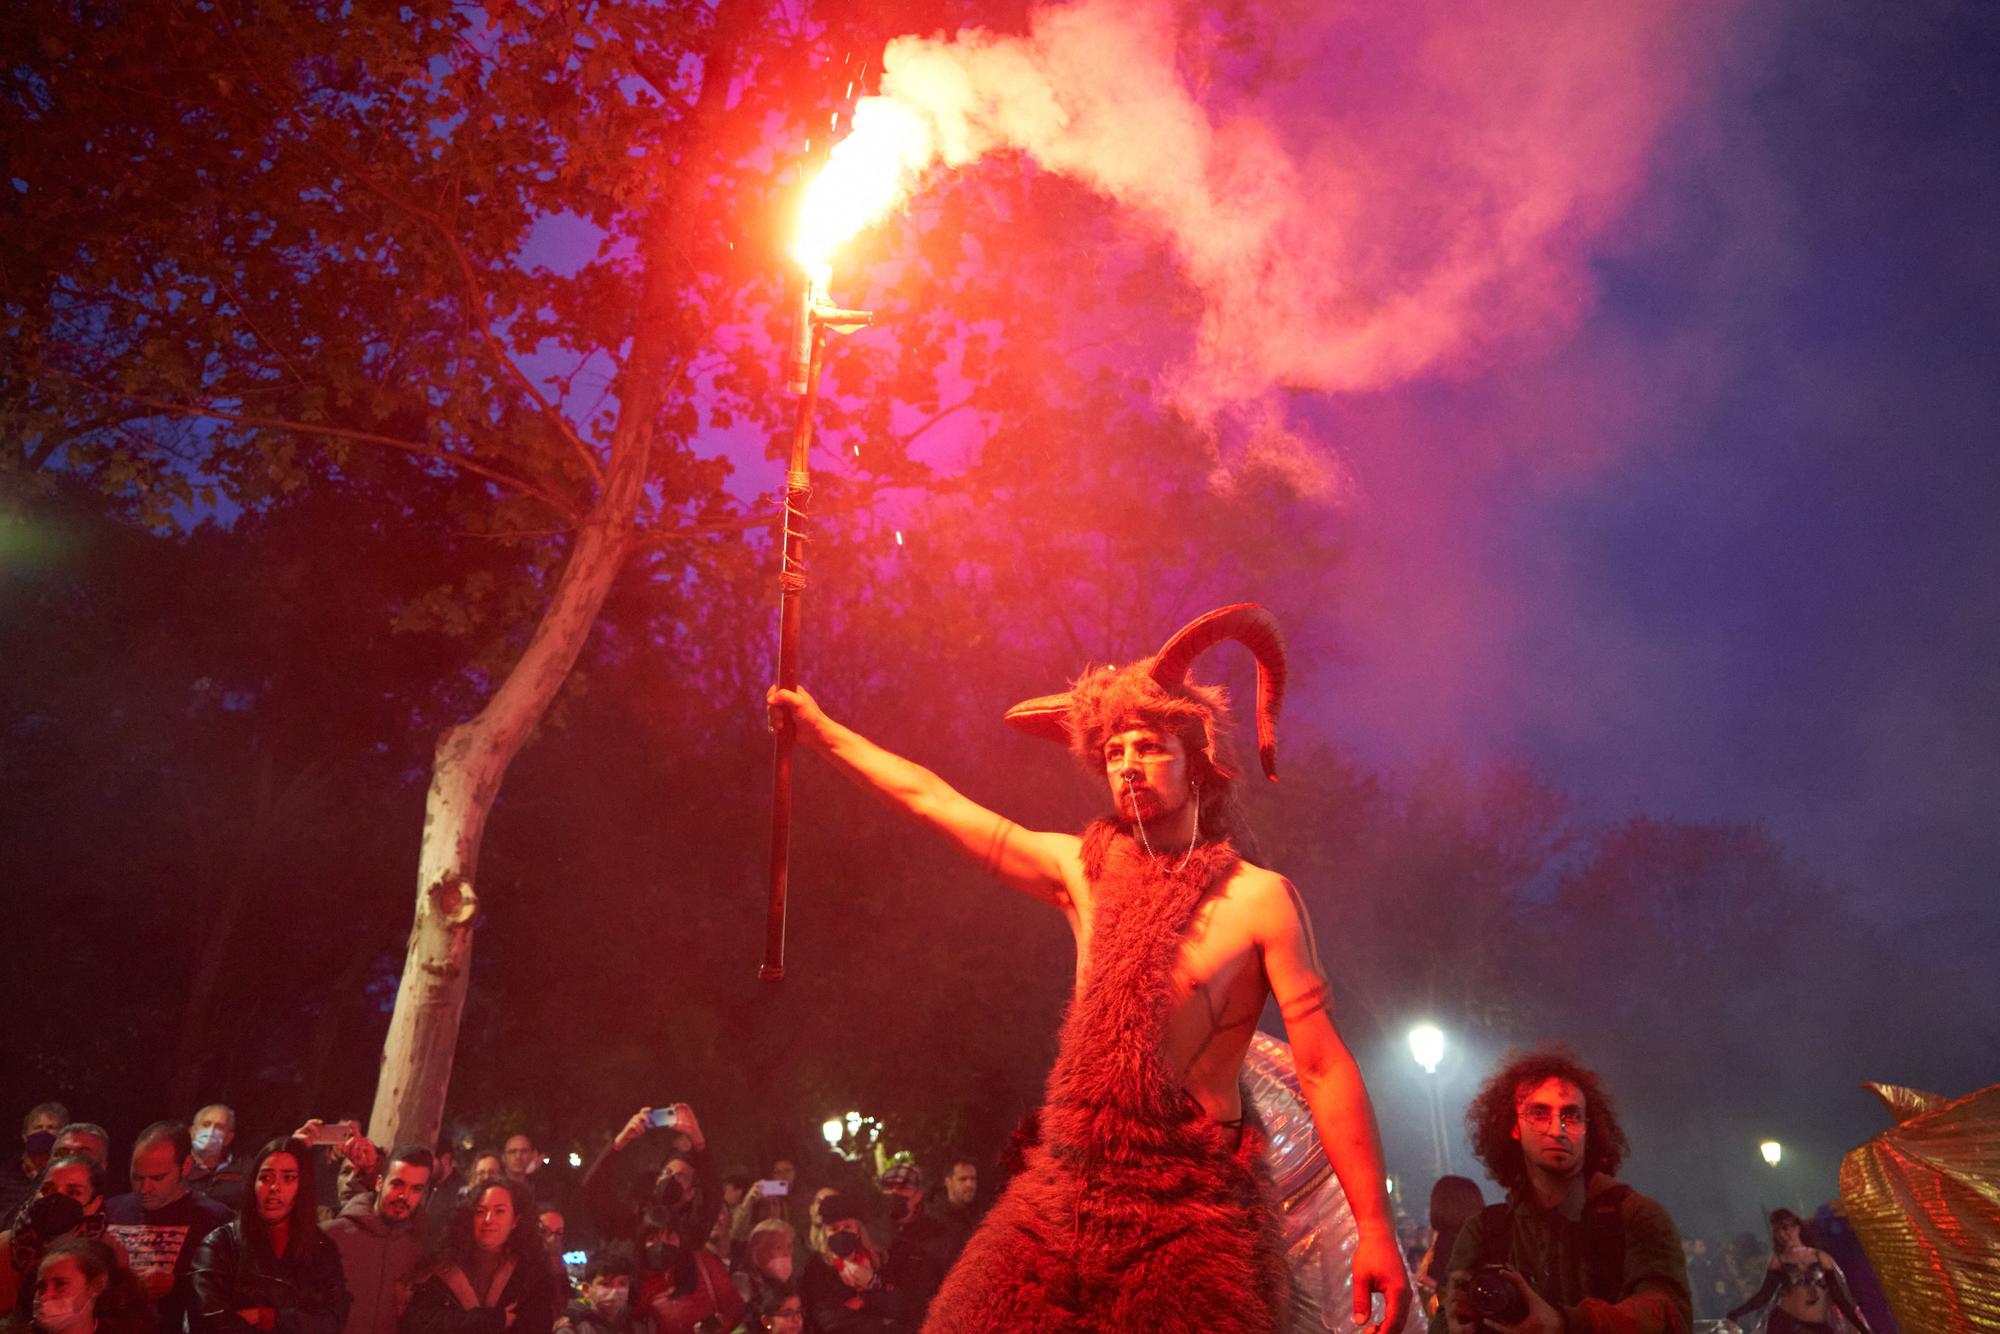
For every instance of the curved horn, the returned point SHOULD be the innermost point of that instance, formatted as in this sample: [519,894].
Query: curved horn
[1257,630]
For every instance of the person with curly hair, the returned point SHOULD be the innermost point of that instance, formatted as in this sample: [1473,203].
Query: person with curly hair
[490,1277]
[1572,1248]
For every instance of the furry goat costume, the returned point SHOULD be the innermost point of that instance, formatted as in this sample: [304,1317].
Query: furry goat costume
[1132,1211]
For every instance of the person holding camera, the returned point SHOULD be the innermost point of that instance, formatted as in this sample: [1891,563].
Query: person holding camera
[1572,1249]
[687,1183]
[681,1283]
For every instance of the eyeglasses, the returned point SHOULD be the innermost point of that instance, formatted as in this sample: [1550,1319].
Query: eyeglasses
[1540,1117]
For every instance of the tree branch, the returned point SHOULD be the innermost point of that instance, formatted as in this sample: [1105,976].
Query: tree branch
[960,406]
[459,461]
[476,299]
[475,294]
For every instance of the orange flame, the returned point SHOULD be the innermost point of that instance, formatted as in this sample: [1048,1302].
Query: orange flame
[866,175]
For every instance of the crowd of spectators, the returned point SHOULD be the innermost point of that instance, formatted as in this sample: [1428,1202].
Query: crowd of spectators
[321,1231]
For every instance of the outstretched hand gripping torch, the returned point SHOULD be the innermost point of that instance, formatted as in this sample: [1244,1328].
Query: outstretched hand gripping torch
[802,370]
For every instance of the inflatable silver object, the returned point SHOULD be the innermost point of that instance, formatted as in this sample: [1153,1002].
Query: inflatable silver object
[1318,1227]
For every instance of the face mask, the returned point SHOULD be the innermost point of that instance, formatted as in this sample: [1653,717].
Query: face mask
[207,1138]
[40,1143]
[662,1256]
[52,1216]
[57,1312]
[902,1207]
[608,1300]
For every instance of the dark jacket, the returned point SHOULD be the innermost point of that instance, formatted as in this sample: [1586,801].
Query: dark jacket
[834,1308]
[920,1256]
[231,1273]
[616,1214]
[435,1309]
[587,1319]
[225,1184]
[1554,1251]
[382,1264]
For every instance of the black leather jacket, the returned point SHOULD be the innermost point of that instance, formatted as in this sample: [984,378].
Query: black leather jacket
[305,1286]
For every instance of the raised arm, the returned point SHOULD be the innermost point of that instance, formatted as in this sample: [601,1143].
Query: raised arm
[1028,861]
[1333,1089]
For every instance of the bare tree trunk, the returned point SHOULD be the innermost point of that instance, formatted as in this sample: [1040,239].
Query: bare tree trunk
[472,758]
[471,761]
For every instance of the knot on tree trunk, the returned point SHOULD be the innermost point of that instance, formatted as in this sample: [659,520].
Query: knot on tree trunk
[453,901]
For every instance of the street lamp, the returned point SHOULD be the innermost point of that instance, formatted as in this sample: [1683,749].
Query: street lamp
[833,1129]
[1427,1046]
[1772,1151]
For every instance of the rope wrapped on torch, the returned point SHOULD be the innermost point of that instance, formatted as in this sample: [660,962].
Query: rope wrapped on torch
[830,216]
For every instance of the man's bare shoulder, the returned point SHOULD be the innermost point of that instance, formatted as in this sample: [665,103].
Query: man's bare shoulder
[1271,899]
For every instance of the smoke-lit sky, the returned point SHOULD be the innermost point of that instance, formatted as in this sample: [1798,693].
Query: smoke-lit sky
[1651,349]
[1731,550]
[1652,354]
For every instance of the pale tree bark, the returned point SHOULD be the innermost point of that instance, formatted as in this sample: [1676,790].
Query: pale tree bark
[472,758]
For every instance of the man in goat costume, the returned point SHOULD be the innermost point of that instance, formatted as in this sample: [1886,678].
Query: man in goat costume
[1142,1204]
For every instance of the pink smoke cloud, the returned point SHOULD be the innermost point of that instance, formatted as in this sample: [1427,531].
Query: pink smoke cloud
[1420,213]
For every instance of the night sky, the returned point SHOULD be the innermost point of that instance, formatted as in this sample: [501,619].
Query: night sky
[1729,551]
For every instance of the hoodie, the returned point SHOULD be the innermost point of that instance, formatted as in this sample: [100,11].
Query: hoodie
[382,1262]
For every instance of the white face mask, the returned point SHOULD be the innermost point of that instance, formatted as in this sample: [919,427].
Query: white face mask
[207,1139]
[54,1313]
[608,1300]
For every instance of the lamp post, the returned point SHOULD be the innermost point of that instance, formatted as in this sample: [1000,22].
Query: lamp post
[1427,1046]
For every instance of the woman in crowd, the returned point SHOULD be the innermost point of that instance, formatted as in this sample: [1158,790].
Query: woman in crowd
[270,1268]
[80,1287]
[1455,1201]
[491,1275]
[682,1284]
[67,1200]
[768,1257]
[1805,1282]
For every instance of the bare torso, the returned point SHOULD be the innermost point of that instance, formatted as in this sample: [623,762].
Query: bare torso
[1806,1301]
[1219,983]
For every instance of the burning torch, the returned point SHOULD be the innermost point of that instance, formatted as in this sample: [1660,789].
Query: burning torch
[814,317]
